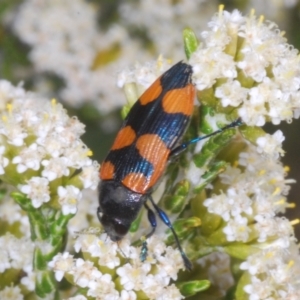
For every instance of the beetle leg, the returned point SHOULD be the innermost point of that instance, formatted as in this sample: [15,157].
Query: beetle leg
[152,220]
[163,216]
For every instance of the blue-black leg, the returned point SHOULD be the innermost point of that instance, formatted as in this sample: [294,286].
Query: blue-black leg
[176,151]
[152,220]
[163,216]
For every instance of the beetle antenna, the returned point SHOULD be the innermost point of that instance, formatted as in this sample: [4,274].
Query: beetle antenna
[182,147]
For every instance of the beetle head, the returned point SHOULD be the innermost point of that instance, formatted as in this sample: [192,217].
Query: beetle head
[118,208]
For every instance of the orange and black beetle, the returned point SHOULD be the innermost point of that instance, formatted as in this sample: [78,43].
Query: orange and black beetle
[139,155]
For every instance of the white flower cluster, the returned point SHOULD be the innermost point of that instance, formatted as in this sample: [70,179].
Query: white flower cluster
[150,279]
[168,18]
[11,293]
[257,189]
[256,193]
[86,213]
[250,66]
[17,254]
[41,149]
[12,214]
[66,40]
[274,273]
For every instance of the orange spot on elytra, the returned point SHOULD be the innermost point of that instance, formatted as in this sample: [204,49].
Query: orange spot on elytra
[151,93]
[152,148]
[179,100]
[107,171]
[125,137]
[136,182]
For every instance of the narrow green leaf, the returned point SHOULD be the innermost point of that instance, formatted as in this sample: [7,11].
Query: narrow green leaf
[191,288]
[240,294]
[240,251]
[190,42]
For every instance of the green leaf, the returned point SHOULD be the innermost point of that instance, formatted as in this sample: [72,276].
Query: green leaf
[175,200]
[240,251]
[240,294]
[39,260]
[252,133]
[214,170]
[136,223]
[182,228]
[191,288]
[22,200]
[212,147]
[45,284]
[190,42]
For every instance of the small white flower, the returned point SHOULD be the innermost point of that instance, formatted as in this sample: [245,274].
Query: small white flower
[156,247]
[258,289]
[170,292]
[84,272]
[237,229]
[153,285]
[55,168]
[251,161]
[11,293]
[253,111]
[29,281]
[61,264]
[89,176]
[78,155]
[28,158]
[14,132]
[231,176]
[279,229]
[252,65]
[51,144]
[68,198]
[37,190]
[271,144]
[101,247]
[219,205]
[107,253]
[128,295]
[131,277]
[209,65]
[169,264]
[103,288]
[231,93]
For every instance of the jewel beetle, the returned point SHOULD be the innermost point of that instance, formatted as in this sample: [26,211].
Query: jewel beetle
[149,136]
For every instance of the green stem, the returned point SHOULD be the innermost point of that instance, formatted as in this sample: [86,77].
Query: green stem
[48,229]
